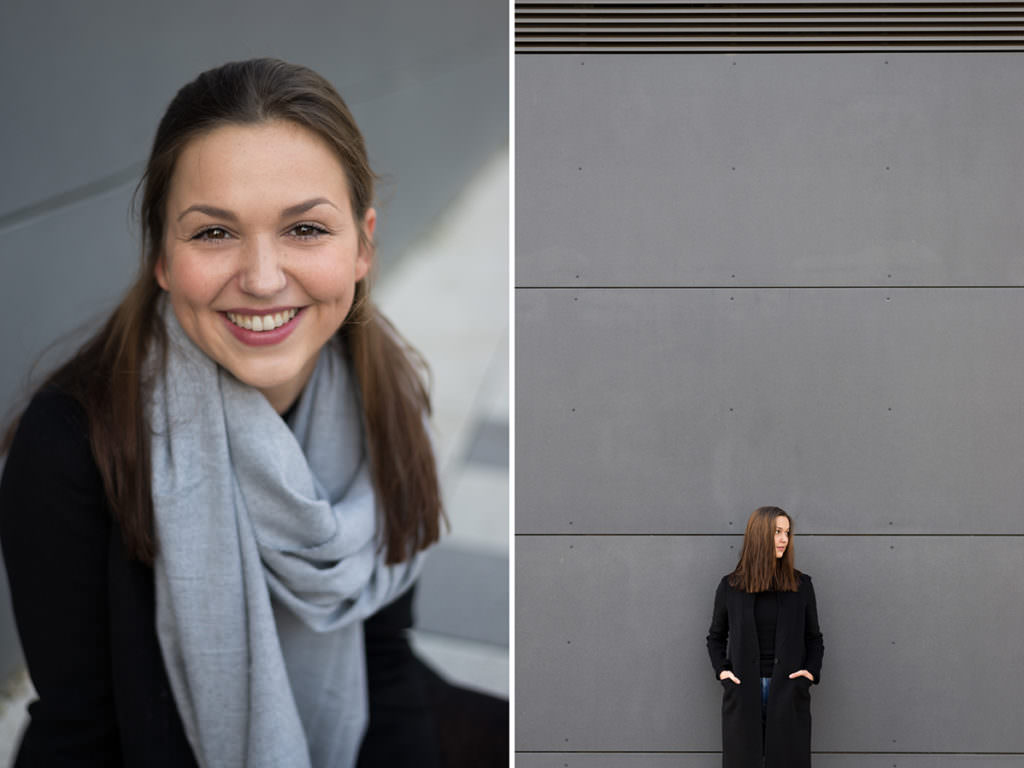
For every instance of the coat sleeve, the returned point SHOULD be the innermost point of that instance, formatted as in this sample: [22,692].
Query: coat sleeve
[813,642]
[54,530]
[718,634]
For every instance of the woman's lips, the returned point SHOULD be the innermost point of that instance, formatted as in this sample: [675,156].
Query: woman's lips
[285,320]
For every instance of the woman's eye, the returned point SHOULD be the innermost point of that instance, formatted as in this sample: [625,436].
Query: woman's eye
[308,231]
[211,233]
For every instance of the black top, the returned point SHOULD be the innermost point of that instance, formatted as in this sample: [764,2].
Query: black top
[766,617]
[85,614]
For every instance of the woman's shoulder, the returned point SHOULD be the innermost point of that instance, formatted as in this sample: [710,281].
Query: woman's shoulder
[55,420]
[805,582]
[55,407]
[50,449]
[726,585]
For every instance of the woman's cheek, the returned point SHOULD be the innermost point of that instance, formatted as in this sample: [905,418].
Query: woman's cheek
[330,283]
[197,278]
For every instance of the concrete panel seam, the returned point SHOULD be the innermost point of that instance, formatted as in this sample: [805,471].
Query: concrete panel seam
[773,287]
[648,535]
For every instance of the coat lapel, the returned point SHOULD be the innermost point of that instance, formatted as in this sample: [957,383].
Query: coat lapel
[751,650]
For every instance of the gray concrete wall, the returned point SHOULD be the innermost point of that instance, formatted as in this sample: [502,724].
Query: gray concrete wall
[85,84]
[769,279]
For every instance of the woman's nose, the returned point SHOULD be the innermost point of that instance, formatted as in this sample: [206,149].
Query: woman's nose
[261,272]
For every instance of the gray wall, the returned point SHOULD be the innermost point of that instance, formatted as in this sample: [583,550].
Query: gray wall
[85,84]
[769,279]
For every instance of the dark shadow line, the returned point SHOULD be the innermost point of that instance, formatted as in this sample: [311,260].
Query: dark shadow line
[70,197]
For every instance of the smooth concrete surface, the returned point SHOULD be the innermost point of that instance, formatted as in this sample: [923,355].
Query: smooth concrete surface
[920,642]
[745,280]
[62,273]
[679,411]
[769,169]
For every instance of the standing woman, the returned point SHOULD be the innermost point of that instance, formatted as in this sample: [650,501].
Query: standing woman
[201,507]
[766,649]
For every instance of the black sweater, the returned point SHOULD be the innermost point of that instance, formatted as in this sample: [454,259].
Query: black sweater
[766,617]
[85,614]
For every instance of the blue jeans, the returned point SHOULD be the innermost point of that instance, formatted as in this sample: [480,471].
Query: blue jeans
[766,684]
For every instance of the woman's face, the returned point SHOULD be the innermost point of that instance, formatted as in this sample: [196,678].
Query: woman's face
[781,535]
[262,252]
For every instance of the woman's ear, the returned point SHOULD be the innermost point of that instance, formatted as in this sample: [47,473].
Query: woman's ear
[370,222]
[364,260]
[160,273]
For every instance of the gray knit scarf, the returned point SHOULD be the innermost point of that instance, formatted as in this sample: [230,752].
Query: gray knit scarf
[267,561]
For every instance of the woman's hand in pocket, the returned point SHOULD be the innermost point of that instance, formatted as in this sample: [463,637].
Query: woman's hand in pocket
[727,674]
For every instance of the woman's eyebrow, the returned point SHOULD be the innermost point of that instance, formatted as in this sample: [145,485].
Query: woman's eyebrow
[304,206]
[209,210]
[224,213]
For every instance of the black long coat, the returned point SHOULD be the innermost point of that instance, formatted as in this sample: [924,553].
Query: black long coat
[732,644]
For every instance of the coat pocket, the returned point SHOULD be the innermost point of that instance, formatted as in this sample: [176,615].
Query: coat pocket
[802,693]
[730,695]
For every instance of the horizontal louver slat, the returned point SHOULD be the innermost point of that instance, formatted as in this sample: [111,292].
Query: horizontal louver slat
[753,26]
[671,29]
[646,20]
[754,5]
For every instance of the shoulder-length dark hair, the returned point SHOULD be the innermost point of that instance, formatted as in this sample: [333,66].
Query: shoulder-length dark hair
[759,570]
[106,374]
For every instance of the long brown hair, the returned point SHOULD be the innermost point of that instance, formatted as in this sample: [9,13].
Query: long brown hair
[759,570]
[106,374]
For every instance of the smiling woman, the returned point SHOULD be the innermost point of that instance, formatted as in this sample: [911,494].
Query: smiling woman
[200,509]
[260,228]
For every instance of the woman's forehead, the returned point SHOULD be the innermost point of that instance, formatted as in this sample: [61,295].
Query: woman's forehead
[239,163]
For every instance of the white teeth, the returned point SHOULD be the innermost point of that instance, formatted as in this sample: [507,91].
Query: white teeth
[261,323]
